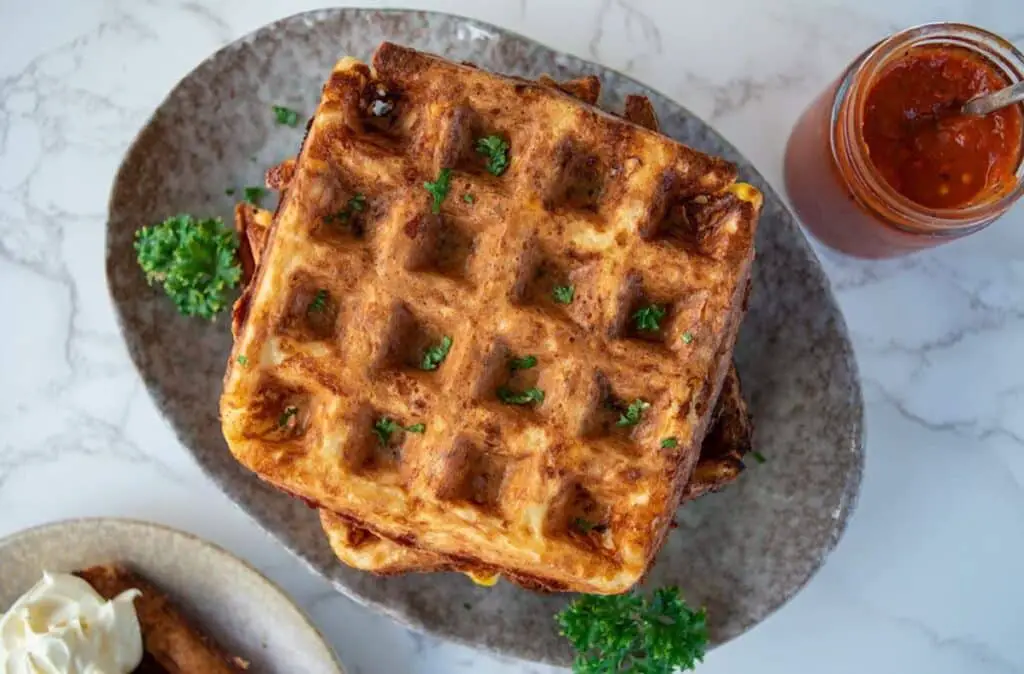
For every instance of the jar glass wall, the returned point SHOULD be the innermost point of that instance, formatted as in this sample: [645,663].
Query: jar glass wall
[843,198]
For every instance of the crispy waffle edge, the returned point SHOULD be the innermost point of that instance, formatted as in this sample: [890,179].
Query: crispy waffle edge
[614,576]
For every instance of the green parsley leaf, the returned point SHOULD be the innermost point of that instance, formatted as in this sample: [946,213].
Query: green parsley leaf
[524,363]
[254,195]
[649,318]
[687,337]
[286,116]
[356,204]
[287,415]
[495,148]
[530,395]
[616,634]
[758,456]
[383,428]
[467,197]
[586,526]
[633,413]
[564,294]
[243,361]
[439,189]
[435,355]
[194,260]
[230,191]
[318,303]
[669,443]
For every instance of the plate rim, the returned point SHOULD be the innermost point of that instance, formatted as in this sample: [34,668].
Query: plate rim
[222,553]
[856,438]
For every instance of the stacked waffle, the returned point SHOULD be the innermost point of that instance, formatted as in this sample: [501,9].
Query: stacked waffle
[490,327]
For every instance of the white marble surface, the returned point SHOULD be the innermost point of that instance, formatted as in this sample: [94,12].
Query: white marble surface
[929,576]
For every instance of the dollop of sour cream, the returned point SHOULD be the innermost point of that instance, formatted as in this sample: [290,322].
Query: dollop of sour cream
[63,626]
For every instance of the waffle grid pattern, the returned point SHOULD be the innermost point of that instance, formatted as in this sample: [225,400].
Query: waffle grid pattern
[340,315]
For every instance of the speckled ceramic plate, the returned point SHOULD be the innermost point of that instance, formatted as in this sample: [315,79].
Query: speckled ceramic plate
[243,611]
[742,553]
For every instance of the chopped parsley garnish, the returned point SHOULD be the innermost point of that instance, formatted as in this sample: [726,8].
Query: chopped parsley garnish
[530,395]
[195,261]
[319,302]
[286,116]
[586,526]
[230,191]
[687,337]
[495,148]
[669,443]
[633,413]
[287,415]
[629,633]
[649,318]
[435,355]
[254,195]
[242,360]
[758,456]
[564,294]
[384,427]
[356,204]
[439,189]
[467,197]
[524,363]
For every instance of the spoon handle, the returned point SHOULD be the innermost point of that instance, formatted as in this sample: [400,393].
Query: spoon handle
[986,103]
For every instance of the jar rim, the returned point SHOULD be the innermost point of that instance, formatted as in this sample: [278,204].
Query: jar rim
[847,129]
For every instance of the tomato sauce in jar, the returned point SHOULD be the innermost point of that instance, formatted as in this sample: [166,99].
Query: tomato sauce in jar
[922,145]
[884,162]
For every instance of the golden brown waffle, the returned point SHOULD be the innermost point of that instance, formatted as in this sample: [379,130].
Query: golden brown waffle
[720,463]
[721,454]
[171,643]
[337,316]
[720,458]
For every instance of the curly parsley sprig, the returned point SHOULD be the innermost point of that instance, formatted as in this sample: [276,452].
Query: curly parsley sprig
[495,149]
[439,189]
[194,260]
[632,634]
[633,413]
[648,319]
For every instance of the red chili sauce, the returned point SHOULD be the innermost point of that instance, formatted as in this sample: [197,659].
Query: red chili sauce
[921,144]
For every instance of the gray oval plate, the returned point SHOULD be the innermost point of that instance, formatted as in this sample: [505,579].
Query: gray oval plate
[239,608]
[741,553]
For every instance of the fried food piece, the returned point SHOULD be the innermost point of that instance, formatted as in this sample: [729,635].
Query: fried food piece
[172,644]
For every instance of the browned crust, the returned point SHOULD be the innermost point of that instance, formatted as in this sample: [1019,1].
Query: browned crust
[700,177]
[721,455]
[640,110]
[587,89]
[278,177]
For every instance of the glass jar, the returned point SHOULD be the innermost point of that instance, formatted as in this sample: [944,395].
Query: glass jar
[837,191]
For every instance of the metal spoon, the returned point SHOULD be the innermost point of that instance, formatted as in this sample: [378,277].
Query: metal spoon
[986,103]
